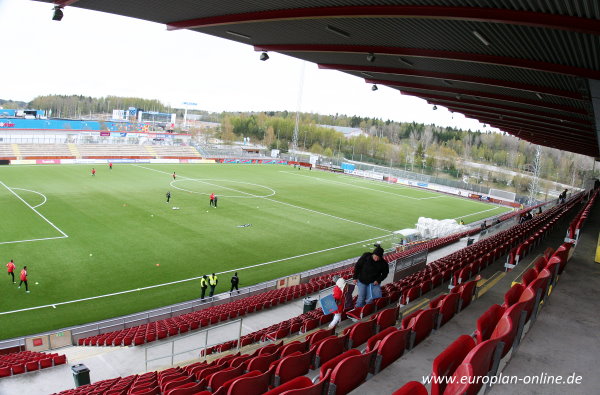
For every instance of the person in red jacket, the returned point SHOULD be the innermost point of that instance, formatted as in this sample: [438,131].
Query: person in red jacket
[212,200]
[93,172]
[11,270]
[338,295]
[110,165]
[24,278]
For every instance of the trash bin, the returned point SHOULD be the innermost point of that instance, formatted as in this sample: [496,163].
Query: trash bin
[309,304]
[470,241]
[81,375]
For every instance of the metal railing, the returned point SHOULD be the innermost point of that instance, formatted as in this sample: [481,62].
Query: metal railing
[206,345]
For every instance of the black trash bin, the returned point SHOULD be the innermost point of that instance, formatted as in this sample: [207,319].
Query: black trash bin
[81,375]
[309,304]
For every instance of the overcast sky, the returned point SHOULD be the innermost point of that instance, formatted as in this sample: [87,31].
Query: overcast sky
[95,54]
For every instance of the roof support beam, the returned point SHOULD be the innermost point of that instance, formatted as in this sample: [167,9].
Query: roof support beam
[471,14]
[64,3]
[495,106]
[457,78]
[518,123]
[595,91]
[519,118]
[436,54]
[493,96]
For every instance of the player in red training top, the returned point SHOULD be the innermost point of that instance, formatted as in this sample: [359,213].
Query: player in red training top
[11,270]
[174,176]
[212,199]
[24,278]
[110,165]
[93,172]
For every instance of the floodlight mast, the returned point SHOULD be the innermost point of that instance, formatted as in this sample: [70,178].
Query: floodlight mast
[296,125]
[535,180]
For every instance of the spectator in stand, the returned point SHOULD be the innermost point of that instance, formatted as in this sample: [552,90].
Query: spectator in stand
[24,278]
[369,271]
[562,197]
[235,280]
[11,270]
[338,295]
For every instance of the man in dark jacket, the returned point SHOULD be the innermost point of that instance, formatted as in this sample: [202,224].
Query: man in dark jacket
[370,270]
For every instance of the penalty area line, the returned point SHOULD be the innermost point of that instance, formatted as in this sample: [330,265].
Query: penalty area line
[188,279]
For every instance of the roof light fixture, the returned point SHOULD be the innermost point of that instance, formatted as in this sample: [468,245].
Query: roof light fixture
[337,31]
[58,13]
[374,87]
[481,38]
[367,75]
[447,82]
[539,96]
[264,56]
[371,57]
[434,107]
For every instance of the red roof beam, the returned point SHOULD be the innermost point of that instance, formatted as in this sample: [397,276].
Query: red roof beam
[488,95]
[537,129]
[552,123]
[456,77]
[64,3]
[484,104]
[436,54]
[471,14]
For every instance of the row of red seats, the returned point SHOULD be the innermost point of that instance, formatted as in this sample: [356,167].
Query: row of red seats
[498,332]
[28,361]
[579,220]
[176,325]
[408,288]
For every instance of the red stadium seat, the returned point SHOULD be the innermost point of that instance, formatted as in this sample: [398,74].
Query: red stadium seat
[487,322]
[445,364]
[411,388]
[349,373]
[477,363]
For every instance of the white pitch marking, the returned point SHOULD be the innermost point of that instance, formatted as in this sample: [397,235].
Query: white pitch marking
[284,203]
[190,279]
[34,210]
[25,241]
[41,194]
[359,186]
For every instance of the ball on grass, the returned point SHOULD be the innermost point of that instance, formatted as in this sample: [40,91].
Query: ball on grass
[91,254]
[36,283]
[158,264]
[152,215]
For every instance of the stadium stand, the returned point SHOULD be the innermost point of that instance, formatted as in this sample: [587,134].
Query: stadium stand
[499,329]
[96,151]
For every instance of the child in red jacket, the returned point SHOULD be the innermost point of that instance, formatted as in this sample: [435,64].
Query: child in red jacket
[338,295]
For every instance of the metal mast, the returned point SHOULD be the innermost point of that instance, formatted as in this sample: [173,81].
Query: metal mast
[296,127]
[535,180]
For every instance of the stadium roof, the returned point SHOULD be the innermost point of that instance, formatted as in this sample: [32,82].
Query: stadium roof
[531,69]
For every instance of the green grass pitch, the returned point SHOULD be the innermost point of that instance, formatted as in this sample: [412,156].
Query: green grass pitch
[82,236]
